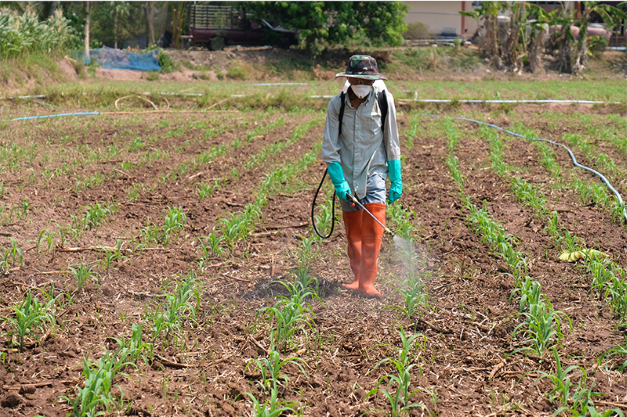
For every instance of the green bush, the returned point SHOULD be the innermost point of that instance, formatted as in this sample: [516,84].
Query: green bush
[20,33]
[167,63]
[417,30]
[237,71]
[153,75]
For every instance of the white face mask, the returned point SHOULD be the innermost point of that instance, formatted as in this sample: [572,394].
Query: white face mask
[361,90]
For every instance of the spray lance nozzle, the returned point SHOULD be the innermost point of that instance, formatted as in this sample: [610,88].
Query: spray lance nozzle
[351,199]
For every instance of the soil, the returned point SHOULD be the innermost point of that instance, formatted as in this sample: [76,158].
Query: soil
[203,370]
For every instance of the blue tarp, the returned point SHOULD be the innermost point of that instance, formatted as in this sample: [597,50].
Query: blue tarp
[110,58]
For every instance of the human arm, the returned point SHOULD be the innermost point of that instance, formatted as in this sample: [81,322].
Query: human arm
[393,150]
[331,148]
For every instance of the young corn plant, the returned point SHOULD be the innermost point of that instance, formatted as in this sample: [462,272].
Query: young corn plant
[398,392]
[174,222]
[575,399]
[176,307]
[210,246]
[30,316]
[273,406]
[99,379]
[270,369]
[289,315]
[82,274]
[453,166]
[415,298]
[542,326]
[96,213]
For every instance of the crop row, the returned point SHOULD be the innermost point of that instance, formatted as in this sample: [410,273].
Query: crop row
[543,325]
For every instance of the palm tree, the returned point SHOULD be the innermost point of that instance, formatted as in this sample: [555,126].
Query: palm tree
[119,9]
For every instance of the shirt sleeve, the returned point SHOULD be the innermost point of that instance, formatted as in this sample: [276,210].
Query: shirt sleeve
[390,134]
[330,139]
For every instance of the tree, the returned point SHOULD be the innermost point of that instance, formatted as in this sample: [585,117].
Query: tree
[88,5]
[489,42]
[119,9]
[608,14]
[150,10]
[324,24]
[178,9]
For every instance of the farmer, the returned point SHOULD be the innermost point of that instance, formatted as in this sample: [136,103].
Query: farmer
[361,149]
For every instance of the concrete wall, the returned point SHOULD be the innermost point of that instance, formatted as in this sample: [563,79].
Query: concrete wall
[445,14]
[442,14]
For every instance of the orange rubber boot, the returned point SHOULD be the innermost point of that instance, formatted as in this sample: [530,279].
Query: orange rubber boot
[352,224]
[372,235]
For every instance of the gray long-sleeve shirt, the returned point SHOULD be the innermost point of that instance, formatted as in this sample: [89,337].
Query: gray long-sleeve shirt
[364,147]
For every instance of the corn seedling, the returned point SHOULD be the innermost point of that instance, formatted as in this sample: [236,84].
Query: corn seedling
[542,326]
[398,392]
[530,293]
[289,316]
[82,274]
[453,166]
[30,315]
[415,297]
[270,369]
[132,349]
[273,407]
[575,399]
[99,377]
[210,246]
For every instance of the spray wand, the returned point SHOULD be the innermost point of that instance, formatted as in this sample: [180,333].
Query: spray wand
[351,199]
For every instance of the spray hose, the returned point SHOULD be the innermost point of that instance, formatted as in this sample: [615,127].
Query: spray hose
[572,156]
[313,206]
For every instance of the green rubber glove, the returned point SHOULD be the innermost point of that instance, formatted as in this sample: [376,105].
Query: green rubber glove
[337,177]
[396,189]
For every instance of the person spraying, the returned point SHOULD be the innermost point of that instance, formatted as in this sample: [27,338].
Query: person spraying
[361,149]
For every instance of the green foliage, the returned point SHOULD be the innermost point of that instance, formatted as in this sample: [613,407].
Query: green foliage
[30,315]
[543,326]
[398,392]
[416,30]
[322,24]
[166,62]
[270,369]
[21,33]
[81,273]
[238,71]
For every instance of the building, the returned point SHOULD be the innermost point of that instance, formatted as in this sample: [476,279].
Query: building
[444,17]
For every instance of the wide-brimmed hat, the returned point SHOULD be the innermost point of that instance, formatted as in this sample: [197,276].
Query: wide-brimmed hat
[362,66]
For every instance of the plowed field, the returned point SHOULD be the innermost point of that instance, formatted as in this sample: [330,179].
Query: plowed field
[178,226]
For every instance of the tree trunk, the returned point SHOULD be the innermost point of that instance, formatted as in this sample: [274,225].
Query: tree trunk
[87,24]
[582,56]
[535,47]
[565,53]
[176,30]
[149,9]
[115,30]
[490,41]
[511,45]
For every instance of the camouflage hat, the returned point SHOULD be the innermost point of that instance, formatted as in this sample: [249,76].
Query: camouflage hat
[362,66]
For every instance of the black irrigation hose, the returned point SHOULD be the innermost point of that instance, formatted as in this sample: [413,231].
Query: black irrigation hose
[572,156]
[313,206]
